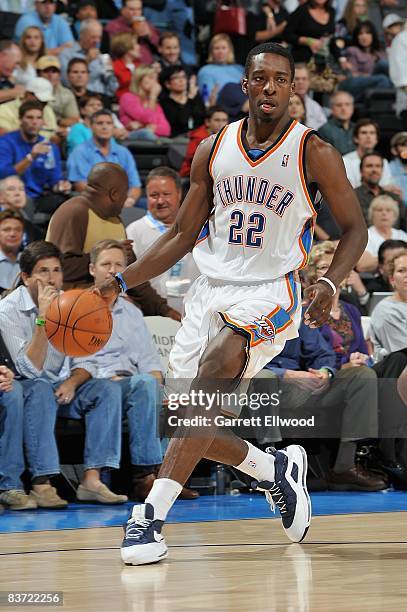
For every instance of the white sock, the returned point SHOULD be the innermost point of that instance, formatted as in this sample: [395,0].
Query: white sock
[257,464]
[163,494]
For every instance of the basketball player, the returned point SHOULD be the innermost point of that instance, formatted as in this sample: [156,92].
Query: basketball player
[249,218]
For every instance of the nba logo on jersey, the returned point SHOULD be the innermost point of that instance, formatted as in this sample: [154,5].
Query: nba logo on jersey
[284,161]
[266,329]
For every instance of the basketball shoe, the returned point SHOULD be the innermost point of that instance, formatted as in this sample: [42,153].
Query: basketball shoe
[289,492]
[143,542]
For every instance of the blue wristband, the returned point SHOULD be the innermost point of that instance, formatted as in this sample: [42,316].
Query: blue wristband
[121,282]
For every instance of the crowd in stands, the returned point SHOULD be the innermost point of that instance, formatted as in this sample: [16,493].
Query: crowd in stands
[98,81]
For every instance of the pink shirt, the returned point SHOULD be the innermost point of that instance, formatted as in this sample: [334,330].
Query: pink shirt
[132,109]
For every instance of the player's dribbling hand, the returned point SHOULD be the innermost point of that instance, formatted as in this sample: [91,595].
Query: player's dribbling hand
[108,290]
[320,297]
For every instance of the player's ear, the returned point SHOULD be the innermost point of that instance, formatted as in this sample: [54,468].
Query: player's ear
[244,85]
[92,269]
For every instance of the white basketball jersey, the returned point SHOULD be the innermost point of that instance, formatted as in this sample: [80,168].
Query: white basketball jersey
[263,219]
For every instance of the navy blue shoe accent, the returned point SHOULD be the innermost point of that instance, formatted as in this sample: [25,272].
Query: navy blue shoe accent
[143,542]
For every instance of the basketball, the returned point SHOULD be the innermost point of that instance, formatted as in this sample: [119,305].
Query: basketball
[78,323]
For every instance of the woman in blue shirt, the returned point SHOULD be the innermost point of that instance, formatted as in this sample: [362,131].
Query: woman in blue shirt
[221,68]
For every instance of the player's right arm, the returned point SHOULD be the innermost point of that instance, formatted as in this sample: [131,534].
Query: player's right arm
[181,237]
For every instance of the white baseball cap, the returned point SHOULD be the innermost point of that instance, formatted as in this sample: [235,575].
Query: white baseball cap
[391,19]
[41,88]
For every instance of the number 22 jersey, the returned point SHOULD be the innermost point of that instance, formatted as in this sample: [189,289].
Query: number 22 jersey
[263,217]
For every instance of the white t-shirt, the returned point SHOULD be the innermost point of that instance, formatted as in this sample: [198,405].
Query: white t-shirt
[174,283]
[352,167]
[375,239]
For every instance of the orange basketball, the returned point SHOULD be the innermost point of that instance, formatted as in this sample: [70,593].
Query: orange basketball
[78,323]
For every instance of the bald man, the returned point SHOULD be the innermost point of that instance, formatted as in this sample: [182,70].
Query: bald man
[82,221]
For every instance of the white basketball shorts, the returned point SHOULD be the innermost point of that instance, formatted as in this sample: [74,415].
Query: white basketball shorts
[267,314]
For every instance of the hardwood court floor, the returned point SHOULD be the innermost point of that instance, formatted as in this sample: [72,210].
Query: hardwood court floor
[347,563]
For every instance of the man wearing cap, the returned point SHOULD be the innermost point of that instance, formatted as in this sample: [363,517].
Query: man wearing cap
[40,90]
[392,25]
[64,102]
[38,163]
[57,33]
[398,166]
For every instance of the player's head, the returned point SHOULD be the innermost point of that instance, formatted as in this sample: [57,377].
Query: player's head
[108,185]
[41,261]
[269,81]
[107,258]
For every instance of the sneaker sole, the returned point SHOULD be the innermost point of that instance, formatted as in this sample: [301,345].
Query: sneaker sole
[298,456]
[143,554]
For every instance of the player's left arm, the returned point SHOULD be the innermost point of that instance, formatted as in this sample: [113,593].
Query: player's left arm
[325,168]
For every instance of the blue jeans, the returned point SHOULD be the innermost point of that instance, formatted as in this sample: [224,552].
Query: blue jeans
[143,134]
[27,417]
[141,404]
[99,403]
[357,86]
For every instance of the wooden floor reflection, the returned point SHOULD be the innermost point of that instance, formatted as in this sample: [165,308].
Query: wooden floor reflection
[347,563]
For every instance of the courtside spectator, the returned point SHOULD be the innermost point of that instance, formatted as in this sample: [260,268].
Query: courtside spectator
[32,47]
[102,147]
[309,29]
[14,198]
[57,33]
[216,119]
[38,90]
[338,130]
[64,102]
[392,25]
[383,214]
[82,131]
[398,73]
[169,50]
[130,359]
[366,62]
[101,76]
[388,250]
[125,50]
[140,111]
[355,11]
[25,153]
[11,238]
[87,9]
[366,136]
[132,20]
[371,169]
[388,322]
[398,166]
[164,193]
[314,112]
[268,23]
[220,68]
[10,57]
[296,109]
[181,101]
[28,414]
[76,394]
